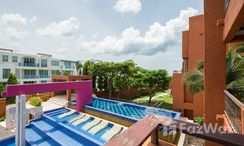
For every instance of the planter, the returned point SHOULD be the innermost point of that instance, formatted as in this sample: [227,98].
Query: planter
[35,112]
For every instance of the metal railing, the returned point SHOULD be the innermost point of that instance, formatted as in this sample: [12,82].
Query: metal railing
[35,76]
[227,3]
[177,71]
[29,64]
[44,76]
[233,109]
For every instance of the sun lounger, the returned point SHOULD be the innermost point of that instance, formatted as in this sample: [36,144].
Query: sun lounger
[76,118]
[65,114]
[81,120]
[111,133]
[98,128]
[91,124]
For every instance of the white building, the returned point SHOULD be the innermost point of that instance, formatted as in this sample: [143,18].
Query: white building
[33,68]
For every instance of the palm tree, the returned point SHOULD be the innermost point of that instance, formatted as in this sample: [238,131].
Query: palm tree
[194,80]
[235,67]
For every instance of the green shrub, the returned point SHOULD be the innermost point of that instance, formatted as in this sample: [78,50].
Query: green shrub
[199,120]
[2,118]
[12,79]
[35,101]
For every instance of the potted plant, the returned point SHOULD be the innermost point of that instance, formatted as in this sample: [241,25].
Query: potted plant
[36,112]
[199,120]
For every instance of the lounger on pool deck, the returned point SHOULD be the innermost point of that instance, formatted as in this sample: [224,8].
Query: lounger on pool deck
[76,118]
[98,128]
[65,114]
[111,133]
[91,124]
[81,120]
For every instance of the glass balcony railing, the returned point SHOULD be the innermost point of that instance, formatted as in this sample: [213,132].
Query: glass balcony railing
[44,76]
[30,76]
[29,64]
[35,76]
[234,110]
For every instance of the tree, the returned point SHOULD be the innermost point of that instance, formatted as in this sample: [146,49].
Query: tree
[194,80]
[1,88]
[235,67]
[125,72]
[78,67]
[156,80]
[11,80]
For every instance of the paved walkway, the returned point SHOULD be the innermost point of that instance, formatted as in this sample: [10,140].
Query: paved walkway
[154,97]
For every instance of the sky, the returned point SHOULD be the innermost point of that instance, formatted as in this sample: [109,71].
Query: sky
[146,31]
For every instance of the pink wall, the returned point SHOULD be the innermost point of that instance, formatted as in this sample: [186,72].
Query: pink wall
[84,90]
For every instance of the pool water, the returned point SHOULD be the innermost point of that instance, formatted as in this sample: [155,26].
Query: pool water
[54,115]
[53,131]
[128,110]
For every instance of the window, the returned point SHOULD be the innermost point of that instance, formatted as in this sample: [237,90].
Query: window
[67,64]
[55,63]
[43,63]
[56,72]
[28,74]
[43,73]
[14,59]
[5,58]
[6,73]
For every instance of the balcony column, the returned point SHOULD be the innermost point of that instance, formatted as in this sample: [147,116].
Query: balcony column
[52,93]
[20,118]
[68,93]
[215,61]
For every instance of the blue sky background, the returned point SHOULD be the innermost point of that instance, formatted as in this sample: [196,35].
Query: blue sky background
[97,29]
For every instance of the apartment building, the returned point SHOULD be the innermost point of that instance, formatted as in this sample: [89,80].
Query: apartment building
[33,68]
[221,25]
[192,52]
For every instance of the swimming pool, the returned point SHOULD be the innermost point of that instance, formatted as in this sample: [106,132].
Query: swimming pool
[78,128]
[129,111]
[47,132]
[51,130]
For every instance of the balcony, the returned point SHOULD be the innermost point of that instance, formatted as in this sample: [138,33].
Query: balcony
[35,76]
[29,64]
[44,76]
[30,76]
[234,110]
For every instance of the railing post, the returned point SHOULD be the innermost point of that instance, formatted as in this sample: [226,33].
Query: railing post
[20,117]
[242,120]
[154,137]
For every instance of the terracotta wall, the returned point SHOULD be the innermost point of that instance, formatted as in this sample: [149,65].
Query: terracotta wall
[195,51]
[192,49]
[185,43]
[2,106]
[126,93]
[215,57]
[178,92]
[234,19]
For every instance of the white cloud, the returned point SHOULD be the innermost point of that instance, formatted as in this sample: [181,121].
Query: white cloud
[12,27]
[125,6]
[9,19]
[131,41]
[33,19]
[63,28]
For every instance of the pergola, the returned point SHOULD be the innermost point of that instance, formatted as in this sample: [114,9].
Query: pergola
[84,96]
[59,78]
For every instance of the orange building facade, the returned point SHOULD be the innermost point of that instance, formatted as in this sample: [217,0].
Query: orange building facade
[192,51]
[208,38]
